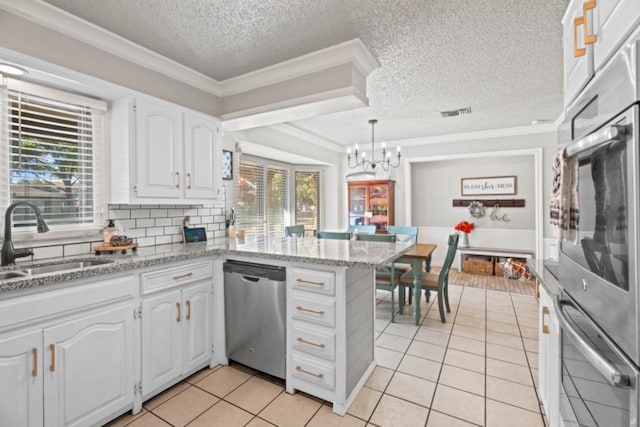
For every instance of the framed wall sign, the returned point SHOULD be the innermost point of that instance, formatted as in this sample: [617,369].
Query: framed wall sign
[227,165]
[488,185]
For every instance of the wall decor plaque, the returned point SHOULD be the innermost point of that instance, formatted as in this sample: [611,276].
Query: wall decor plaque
[488,185]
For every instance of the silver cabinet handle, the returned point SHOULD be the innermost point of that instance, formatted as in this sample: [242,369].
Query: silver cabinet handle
[615,377]
[609,133]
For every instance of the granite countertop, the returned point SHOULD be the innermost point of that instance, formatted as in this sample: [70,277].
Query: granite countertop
[345,253]
[546,271]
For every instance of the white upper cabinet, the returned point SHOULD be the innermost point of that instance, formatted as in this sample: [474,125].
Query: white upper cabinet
[614,20]
[159,148]
[578,49]
[593,30]
[201,152]
[161,153]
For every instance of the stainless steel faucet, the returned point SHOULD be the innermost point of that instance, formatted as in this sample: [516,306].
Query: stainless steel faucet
[9,253]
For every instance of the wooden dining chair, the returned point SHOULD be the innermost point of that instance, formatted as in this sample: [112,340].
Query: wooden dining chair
[364,229]
[335,235]
[436,282]
[294,229]
[386,276]
[404,233]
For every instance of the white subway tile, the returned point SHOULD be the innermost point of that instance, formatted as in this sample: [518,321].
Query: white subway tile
[217,211]
[195,220]
[119,214]
[158,213]
[219,218]
[136,232]
[175,212]
[220,233]
[146,241]
[163,222]
[177,221]
[77,249]
[207,219]
[163,240]
[140,213]
[173,230]
[47,252]
[155,231]
[204,211]
[176,238]
[191,211]
[146,222]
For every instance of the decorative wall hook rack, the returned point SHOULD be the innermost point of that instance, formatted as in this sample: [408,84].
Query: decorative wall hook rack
[502,203]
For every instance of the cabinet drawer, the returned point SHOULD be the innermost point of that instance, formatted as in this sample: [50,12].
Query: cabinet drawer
[312,371]
[316,310]
[321,282]
[313,342]
[175,276]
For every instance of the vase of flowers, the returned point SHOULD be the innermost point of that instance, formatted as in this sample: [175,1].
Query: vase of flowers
[464,228]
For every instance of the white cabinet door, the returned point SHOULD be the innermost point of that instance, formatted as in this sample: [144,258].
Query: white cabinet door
[21,380]
[614,20]
[549,360]
[159,164]
[196,333]
[578,55]
[161,349]
[88,367]
[202,157]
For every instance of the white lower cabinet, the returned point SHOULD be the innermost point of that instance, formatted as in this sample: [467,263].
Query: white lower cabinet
[549,360]
[176,325]
[73,373]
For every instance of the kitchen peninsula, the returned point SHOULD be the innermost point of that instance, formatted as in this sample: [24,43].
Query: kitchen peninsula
[139,323]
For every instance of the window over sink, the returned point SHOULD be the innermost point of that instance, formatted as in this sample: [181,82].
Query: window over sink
[52,144]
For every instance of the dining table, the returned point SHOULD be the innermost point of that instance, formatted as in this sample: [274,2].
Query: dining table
[417,257]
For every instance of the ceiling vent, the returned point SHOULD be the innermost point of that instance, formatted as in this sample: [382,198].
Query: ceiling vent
[458,112]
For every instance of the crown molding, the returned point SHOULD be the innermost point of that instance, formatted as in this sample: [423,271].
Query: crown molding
[58,20]
[482,134]
[352,51]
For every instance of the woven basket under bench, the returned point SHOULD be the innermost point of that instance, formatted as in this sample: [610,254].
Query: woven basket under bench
[478,264]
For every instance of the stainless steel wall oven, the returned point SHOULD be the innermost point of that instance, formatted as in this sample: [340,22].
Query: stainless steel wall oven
[599,307]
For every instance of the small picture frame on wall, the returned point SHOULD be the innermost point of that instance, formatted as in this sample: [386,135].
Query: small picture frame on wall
[227,165]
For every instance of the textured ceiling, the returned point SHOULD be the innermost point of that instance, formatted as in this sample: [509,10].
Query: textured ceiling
[503,58]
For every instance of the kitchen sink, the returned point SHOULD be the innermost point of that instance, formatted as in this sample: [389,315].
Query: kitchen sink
[63,266]
[6,275]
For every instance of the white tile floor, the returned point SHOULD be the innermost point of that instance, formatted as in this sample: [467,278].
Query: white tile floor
[476,369]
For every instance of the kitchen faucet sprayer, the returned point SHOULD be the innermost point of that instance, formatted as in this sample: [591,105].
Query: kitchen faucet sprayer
[9,253]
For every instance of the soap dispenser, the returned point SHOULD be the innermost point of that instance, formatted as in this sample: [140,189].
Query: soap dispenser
[109,231]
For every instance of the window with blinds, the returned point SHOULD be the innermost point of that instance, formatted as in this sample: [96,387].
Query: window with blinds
[307,203]
[262,198]
[52,156]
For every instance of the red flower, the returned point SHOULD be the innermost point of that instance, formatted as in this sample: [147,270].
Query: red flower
[464,226]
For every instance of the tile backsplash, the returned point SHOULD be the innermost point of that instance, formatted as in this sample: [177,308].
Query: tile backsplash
[148,225]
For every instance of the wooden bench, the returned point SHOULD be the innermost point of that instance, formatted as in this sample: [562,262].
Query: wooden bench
[493,252]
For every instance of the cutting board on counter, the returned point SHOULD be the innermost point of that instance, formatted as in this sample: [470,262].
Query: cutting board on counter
[111,249]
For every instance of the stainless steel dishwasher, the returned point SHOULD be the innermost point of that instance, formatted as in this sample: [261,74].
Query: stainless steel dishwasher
[254,305]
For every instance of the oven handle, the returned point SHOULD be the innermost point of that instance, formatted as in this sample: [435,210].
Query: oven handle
[615,377]
[606,134]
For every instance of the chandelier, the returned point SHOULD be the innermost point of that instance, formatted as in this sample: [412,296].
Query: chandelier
[385,162]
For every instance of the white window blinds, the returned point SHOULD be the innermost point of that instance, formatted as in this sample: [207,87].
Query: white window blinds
[262,198]
[307,204]
[53,156]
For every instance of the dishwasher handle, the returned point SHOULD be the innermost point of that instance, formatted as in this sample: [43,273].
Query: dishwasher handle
[253,279]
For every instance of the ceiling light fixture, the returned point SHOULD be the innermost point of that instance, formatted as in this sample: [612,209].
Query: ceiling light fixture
[12,70]
[385,162]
